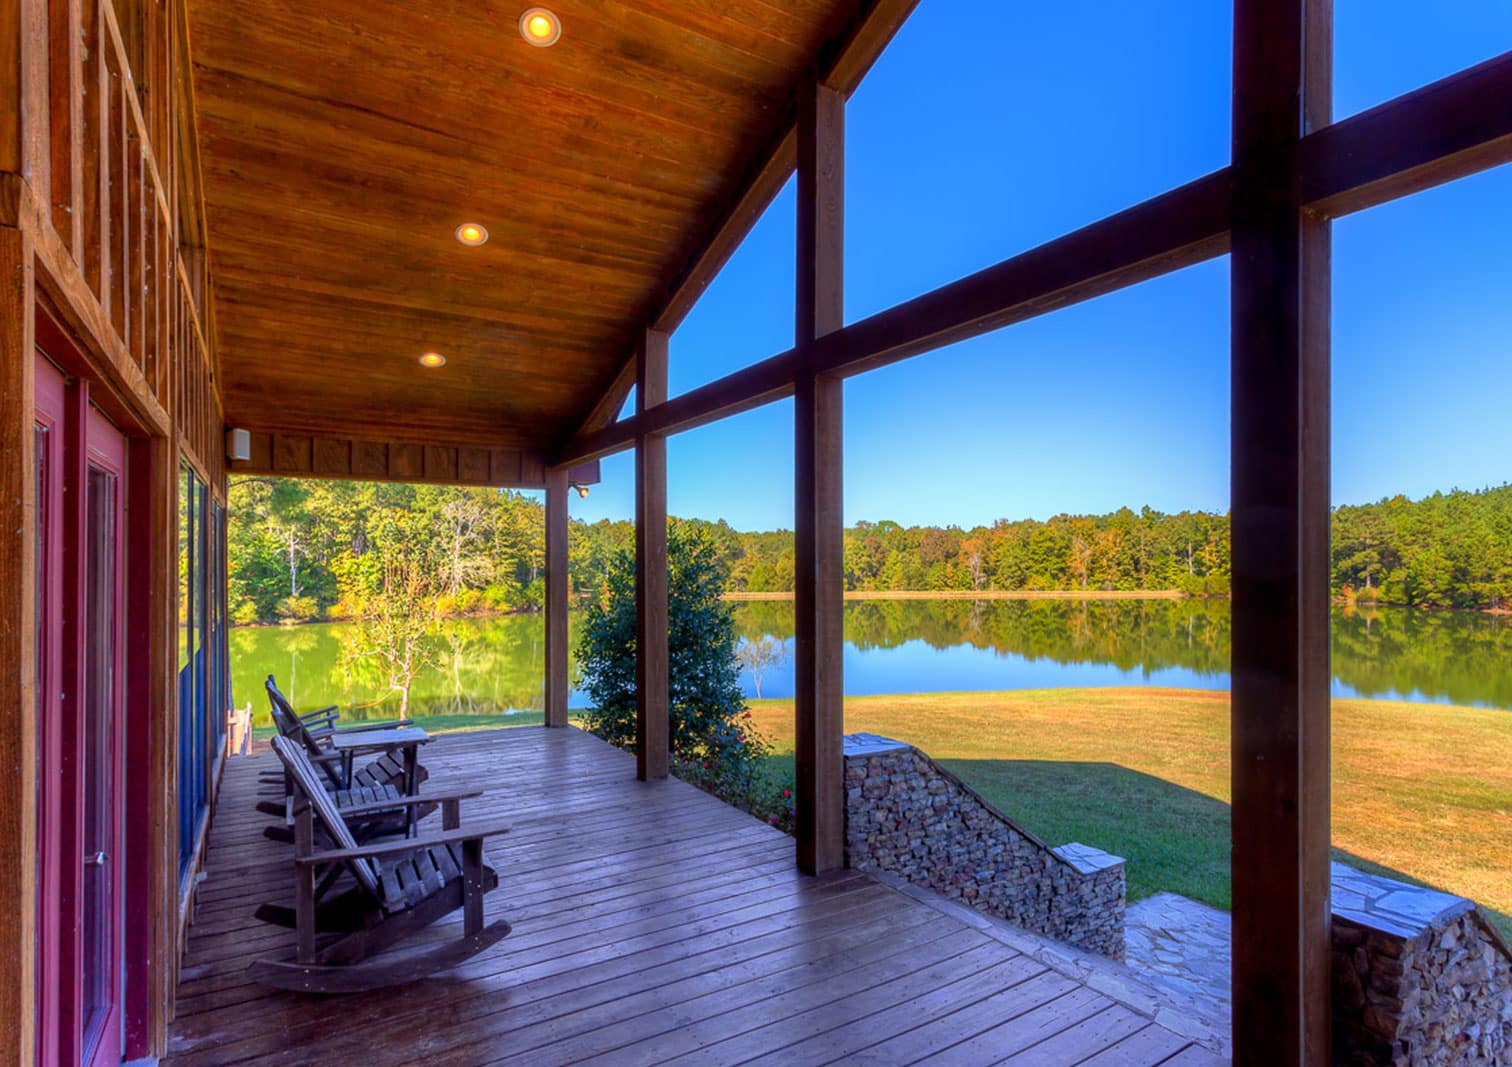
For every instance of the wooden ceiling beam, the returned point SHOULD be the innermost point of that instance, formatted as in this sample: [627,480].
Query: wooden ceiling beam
[316,456]
[842,69]
[1443,131]
[1185,226]
[1446,130]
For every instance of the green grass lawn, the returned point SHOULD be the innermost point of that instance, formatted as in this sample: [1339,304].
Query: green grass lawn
[1420,792]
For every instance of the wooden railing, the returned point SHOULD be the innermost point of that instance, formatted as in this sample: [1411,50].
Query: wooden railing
[118,202]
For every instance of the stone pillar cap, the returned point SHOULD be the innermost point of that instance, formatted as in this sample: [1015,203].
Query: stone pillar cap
[871,745]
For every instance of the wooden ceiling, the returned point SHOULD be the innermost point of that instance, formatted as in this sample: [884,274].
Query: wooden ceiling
[343,142]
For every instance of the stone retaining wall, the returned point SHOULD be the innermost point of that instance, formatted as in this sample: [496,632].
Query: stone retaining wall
[1420,977]
[906,814]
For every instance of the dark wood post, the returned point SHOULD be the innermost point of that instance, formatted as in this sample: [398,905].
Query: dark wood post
[18,519]
[1280,487]
[556,596]
[818,501]
[652,739]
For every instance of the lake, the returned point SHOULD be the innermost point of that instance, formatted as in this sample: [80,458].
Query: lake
[493,666]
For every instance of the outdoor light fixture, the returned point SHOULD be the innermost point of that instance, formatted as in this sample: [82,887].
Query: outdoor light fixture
[239,445]
[472,234]
[582,491]
[433,359]
[540,27]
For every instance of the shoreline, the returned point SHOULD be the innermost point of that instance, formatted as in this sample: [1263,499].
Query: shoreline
[986,594]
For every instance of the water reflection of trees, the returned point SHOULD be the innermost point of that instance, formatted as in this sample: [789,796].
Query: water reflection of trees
[495,665]
[487,667]
[1461,657]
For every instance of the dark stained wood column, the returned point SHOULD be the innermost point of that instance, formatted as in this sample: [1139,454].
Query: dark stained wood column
[818,500]
[556,596]
[652,737]
[18,817]
[1280,487]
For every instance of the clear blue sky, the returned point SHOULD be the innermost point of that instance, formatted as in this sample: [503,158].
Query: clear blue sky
[990,127]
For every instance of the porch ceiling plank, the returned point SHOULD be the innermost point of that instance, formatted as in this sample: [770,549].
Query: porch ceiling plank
[1446,130]
[343,143]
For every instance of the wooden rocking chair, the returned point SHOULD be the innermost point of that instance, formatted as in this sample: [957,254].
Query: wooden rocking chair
[401,887]
[393,773]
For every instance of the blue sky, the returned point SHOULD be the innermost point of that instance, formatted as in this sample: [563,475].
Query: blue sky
[988,128]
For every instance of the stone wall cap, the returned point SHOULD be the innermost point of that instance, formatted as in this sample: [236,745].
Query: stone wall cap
[1086,859]
[861,745]
[1394,907]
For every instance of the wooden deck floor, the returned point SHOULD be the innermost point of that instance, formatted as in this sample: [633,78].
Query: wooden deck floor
[652,923]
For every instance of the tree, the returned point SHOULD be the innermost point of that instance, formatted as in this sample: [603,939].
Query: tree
[703,674]
[395,638]
[463,523]
[759,656]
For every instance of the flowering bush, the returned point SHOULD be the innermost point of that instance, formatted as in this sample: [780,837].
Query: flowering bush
[733,766]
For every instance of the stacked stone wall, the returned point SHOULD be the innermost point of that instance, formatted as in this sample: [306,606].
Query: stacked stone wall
[1419,977]
[909,816]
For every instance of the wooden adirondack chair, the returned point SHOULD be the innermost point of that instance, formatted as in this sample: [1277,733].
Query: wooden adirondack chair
[388,769]
[400,888]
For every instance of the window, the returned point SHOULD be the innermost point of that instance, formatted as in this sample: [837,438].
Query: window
[202,654]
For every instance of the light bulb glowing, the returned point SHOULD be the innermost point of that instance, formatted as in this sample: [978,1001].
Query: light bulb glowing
[433,359]
[472,234]
[540,27]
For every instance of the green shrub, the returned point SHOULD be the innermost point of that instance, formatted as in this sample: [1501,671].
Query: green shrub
[714,743]
[295,609]
[501,597]
[245,613]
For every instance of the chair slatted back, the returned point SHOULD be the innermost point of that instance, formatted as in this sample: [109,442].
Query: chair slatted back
[290,725]
[283,713]
[298,765]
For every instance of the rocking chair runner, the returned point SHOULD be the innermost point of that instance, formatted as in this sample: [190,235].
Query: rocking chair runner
[400,888]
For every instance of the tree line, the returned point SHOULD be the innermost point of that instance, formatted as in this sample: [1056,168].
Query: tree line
[323,549]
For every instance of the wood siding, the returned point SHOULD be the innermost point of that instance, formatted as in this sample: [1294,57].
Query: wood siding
[102,277]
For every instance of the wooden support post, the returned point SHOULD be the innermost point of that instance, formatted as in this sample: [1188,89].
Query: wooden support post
[652,729]
[818,501]
[556,596]
[18,702]
[152,739]
[1280,487]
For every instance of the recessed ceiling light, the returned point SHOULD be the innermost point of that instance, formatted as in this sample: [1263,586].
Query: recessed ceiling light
[470,233]
[540,27]
[433,359]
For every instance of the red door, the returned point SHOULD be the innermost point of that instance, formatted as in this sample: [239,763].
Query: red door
[81,482]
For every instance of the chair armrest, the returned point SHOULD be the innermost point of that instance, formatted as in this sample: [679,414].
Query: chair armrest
[321,713]
[373,727]
[409,802]
[403,846]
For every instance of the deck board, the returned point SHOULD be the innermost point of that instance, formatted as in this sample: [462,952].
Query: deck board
[652,923]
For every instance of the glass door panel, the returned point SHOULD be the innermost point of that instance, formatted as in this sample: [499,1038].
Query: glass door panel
[99,736]
[99,746]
